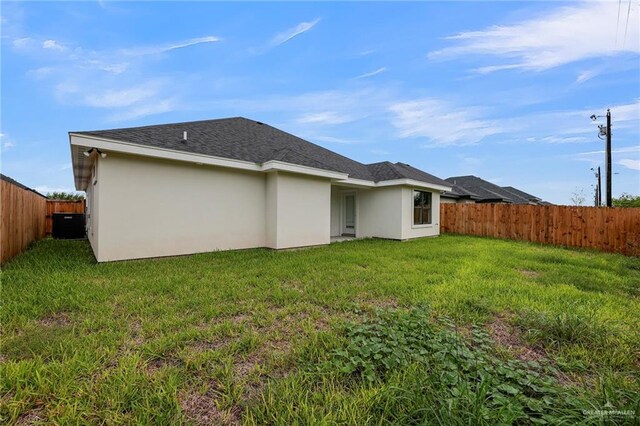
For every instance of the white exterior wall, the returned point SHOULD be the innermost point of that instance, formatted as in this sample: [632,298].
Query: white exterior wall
[409,230]
[93,207]
[142,207]
[152,208]
[384,213]
[336,211]
[379,213]
[300,208]
[271,210]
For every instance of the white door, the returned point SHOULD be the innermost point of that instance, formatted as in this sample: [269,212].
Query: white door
[349,214]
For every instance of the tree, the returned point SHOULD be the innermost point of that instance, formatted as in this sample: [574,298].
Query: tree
[626,200]
[577,197]
[72,196]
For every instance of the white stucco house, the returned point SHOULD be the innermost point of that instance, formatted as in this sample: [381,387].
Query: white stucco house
[235,183]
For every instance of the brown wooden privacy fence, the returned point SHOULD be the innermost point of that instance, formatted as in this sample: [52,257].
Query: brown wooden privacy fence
[62,206]
[23,219]
[608,229]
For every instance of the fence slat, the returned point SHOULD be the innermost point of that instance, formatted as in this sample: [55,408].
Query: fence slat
[22,219]
[612,229]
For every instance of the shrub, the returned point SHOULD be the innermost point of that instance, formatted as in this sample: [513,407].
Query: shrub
[429,371]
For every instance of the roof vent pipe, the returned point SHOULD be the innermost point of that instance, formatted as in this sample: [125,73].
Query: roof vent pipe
[184,136]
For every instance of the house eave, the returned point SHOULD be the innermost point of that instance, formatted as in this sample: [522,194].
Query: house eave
[276,165]
[82,165]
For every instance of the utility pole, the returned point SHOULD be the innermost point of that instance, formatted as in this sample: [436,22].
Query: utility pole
[606,131]
[609,204]
[597,196]
[599,188]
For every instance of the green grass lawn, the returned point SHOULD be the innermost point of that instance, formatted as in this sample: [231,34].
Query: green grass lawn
[449,330]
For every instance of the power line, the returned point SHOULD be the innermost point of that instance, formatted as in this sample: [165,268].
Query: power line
[624,41]
[618,22]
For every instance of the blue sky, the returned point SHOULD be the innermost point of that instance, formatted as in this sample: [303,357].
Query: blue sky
[501,90]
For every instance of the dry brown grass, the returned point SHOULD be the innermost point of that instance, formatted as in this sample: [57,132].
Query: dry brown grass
[202,409]
[510,338]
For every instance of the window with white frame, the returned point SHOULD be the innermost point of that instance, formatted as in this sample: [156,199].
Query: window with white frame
[421,207]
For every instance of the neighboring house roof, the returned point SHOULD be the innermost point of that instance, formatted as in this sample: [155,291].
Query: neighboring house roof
[18,184]
[247,140]
[521,194]
[386,170]
[489,192]
[459,192]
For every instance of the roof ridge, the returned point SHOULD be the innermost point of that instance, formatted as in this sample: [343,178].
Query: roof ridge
[286,148]
[148,126]
[241,138]
[391,166]
[308,142]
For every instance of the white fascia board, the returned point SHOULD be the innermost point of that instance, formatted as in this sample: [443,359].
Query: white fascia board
[169,154]
[395,182]
[129,148]
[357,182]
[281,166]
[412,182]
[105,144]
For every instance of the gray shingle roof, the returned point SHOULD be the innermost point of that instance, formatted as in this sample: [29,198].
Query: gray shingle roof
[520,193]
[247,140]
[487,191]
[389,171]
[459,192]
[19,185]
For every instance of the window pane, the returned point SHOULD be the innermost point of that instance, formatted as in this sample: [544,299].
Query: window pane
[421,207]
[426,215]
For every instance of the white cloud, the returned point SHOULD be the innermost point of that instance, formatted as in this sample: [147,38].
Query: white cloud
[441,122]
[559,139]
[21,43]
[326,117]
[53,45]
[629,163]
[114,68]
[586,76]
[331,139]
[153,50]
[75,78]
[293,32]
[626,112]
[561,36]
[143,110]
[122,97]
[614,151]
[40,73]
[64,89]
[7,143]
[66,166]
[371,74]
[595,158]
